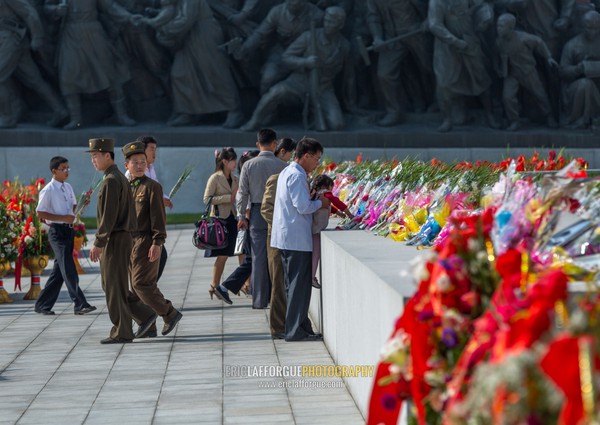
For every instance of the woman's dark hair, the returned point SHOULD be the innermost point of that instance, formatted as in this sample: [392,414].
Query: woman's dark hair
[308,145]
[225,154]
[247,156]
[285,144]
[322,181]
[56,161]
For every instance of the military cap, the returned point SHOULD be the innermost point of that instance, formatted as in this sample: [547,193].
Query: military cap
[102,145]
[133,148]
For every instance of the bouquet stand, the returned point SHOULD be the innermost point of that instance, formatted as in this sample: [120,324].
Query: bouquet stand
[36,266]
[4,269]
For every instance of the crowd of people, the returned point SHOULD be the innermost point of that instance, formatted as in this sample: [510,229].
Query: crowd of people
[271,203]
[276,208]
[322,59]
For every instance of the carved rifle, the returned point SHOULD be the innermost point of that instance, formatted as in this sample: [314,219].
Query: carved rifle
[312,95]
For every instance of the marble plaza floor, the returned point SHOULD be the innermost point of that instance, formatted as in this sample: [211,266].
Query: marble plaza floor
[53,370]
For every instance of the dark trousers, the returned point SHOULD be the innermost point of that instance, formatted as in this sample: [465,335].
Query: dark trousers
[261,283]
[61,241]
[163,262]
[298,286]
[238,277]
[114,272]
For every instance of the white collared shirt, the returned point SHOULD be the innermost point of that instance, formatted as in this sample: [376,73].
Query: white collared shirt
[57,198]
[292,213]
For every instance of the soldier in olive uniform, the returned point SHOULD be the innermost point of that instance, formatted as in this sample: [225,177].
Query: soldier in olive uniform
[148,237]
[113,245]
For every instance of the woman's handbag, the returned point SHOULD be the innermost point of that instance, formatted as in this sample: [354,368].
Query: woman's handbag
[211,232]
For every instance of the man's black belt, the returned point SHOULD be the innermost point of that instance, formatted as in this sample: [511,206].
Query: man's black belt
[62,225]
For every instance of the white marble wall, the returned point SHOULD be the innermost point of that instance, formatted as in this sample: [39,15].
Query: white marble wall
[365,282]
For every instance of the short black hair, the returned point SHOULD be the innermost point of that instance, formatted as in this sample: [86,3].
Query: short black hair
[266,136]
[146,140]
[308,145]
[286,144]
[56,161]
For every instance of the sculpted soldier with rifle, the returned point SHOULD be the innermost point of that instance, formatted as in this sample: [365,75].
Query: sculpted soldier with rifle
[285,22]
[16,18]
[316,57]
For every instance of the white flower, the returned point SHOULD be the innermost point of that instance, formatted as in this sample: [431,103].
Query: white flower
[443,283]
[473,245]
[28,239]
[481,256]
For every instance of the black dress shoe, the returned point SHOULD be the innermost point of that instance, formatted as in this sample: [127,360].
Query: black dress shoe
[279,335]
[85,310]
[168,327]
[222,295]
[145,325]
[150,334]
[45,312]
[314,337]
[110,340]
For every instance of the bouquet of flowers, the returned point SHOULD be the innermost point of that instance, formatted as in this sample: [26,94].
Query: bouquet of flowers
[34,238]
[85,198]
[10,229]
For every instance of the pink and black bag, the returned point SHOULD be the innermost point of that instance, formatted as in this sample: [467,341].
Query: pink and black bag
[211,232]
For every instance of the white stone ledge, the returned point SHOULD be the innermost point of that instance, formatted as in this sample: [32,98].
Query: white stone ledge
[366,280]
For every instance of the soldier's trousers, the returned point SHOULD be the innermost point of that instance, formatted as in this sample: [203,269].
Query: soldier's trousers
[278,298]
[143,278]
[114,271]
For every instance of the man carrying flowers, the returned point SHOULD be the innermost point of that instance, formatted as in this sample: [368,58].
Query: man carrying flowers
[56,206]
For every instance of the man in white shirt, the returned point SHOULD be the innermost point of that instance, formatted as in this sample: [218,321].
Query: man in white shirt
[292,235]
[56,205]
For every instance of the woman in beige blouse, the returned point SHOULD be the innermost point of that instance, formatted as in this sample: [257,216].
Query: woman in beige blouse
[222,185]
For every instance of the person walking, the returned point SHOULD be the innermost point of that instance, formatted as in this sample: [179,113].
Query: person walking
[113,244]
[56,206]
[148,240]
[220,192]
[292,235]
[253,179]
[150,144]
[239,279]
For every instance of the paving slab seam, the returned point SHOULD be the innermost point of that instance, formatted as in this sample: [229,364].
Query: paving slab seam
[174,338]
[103,384]
[287,392]
[28,311]
[57,369]
[55,317]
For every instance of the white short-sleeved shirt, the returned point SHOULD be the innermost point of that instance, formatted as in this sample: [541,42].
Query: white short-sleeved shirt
[57,198]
